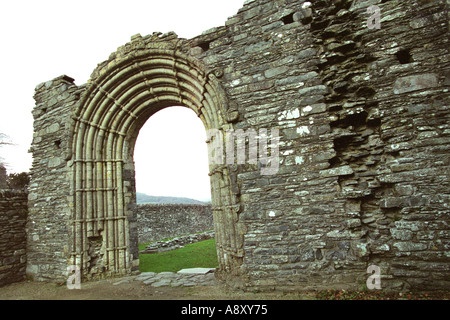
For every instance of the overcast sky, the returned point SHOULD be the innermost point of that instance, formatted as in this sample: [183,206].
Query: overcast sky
[41,40]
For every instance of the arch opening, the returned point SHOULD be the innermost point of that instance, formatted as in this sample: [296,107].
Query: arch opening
[173,191]
[171,156]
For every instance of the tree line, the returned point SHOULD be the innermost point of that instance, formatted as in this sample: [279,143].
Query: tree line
[12,180]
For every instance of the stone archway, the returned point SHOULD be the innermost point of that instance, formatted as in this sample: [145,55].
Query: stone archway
[119,99]
[359,182]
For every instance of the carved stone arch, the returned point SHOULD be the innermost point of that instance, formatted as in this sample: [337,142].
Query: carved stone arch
[138,80]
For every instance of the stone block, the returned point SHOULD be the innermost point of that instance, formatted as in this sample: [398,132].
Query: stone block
[314,90]
[197,271]
[415,82]
[334,172]
[410,246]
[274,72]
[400,234]
[393,202]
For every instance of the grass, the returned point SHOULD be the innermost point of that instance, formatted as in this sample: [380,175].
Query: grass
[196,255]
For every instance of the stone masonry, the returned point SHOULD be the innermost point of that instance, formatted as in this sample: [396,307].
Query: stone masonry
[363,120]
[176,242]
[160,221]
[13,239]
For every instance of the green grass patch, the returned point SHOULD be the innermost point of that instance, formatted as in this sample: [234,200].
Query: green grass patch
[202,254]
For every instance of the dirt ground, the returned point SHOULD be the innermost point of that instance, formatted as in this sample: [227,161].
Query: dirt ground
[133,290]
[137,290]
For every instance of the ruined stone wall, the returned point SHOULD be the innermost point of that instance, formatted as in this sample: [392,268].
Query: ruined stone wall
[50,225]
[13,239]
[363,115]
[363,118]
[160,221]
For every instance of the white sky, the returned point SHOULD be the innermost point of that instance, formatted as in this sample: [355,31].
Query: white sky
[41,40]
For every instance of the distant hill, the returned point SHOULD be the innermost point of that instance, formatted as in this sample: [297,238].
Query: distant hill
[142,198]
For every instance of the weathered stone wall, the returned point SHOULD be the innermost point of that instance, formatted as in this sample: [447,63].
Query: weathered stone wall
[159,221]
[363,115]
[49,224]
[13,239]
[364,133]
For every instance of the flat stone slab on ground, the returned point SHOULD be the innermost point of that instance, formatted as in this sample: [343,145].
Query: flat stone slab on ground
[161,283]
[186,277]
[145,276]
[197,270]
[121,282]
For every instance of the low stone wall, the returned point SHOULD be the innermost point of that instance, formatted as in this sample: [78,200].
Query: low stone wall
[13,239]
[178,242]
[157,221]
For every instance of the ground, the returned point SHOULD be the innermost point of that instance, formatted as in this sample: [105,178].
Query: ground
[133,290]
[136,290]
